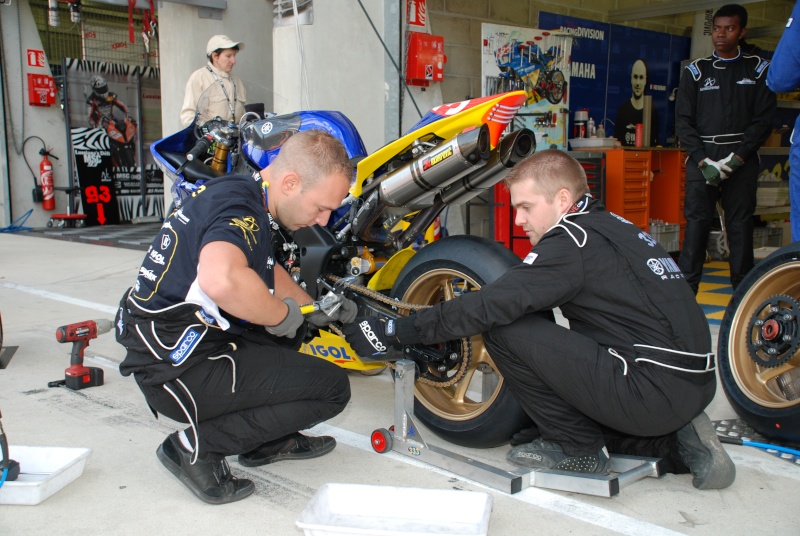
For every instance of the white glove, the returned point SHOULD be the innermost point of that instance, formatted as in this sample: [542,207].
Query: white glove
[288,326]
[714,172]
[733,161]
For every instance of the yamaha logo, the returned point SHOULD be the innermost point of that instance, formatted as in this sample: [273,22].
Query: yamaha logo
[656,266]
[266,128]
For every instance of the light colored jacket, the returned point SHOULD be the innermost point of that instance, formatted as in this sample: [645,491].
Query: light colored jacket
[216,102]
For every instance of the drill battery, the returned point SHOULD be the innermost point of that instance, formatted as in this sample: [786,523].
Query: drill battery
[77,378]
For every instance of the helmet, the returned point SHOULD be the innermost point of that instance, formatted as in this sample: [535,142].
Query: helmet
[99,86]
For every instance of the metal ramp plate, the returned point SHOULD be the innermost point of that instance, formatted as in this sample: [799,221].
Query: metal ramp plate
[406,440]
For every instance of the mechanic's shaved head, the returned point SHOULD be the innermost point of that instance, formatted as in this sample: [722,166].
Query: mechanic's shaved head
[551,170]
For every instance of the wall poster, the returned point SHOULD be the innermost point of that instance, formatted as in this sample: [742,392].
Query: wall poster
[536,61]
[114,113]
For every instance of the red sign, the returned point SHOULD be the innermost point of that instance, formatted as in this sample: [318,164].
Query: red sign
[417,12]
[35,58]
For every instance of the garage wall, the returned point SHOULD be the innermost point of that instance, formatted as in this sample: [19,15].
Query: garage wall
[459,22]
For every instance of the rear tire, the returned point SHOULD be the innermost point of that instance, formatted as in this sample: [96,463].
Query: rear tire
[479,410]
[759,362]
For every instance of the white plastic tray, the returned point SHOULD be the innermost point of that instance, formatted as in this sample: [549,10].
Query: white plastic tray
[394,511]
[591,143]
[43,471]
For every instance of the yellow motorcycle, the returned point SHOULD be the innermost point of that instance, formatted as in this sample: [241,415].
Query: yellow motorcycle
[378,249]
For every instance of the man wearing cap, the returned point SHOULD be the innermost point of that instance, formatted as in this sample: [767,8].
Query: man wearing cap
[227,97]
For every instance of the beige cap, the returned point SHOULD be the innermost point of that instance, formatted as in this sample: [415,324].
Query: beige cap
[219,42]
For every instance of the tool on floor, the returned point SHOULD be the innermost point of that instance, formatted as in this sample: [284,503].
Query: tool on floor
[405,438]
[77,376]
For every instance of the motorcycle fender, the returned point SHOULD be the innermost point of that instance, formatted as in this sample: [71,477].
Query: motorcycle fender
[332,348]
[384,278]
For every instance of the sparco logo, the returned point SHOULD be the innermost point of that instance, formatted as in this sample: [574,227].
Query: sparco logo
[185,347]
[366,329]
[437,158]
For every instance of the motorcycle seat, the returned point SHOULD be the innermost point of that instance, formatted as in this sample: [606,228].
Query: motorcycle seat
[194,170]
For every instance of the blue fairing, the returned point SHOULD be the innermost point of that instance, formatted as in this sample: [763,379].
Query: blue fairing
[180,142]
[262,140]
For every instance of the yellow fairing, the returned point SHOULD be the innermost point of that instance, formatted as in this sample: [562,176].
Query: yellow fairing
[496,111]
[331,347]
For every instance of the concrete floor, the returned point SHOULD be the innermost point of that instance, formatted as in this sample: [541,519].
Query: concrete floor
[46,283]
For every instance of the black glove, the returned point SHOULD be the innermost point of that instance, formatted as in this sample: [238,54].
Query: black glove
[345,314]
[288,326]
[370,335]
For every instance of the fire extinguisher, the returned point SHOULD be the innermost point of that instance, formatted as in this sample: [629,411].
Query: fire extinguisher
[46,180]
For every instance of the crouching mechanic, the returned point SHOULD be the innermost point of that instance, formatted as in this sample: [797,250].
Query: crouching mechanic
[209,322]
[633,366]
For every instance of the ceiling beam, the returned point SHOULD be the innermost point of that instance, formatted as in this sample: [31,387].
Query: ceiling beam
[145,4]
[667,8]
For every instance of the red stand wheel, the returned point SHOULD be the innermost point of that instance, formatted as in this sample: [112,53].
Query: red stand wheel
[381,440]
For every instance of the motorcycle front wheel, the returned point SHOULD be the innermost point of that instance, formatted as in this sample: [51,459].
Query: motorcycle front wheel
[479,410]
[759,363]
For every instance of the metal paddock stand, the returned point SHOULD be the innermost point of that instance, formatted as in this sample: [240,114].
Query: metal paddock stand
[406,439]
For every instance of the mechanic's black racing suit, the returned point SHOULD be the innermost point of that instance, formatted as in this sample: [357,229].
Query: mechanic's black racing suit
[636,356]
[722,107]
[236,385]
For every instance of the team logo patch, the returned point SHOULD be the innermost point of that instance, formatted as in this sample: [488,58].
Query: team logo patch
[665,268]
[709,84]
[185,346]
[530,257]
[746,82]
[249,228]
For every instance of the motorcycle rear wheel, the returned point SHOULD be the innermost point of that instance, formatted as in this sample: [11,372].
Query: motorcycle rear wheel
[759,336]
[479,410]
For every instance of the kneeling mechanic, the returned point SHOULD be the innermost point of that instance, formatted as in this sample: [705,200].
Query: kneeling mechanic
[209,324]
[633,372]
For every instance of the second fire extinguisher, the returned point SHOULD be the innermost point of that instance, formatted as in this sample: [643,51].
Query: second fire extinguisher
[46,180]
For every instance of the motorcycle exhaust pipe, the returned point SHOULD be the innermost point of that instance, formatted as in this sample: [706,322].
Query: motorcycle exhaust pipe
[437,168]
[509,152]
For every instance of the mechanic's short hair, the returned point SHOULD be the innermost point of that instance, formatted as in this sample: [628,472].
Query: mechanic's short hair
[313,155]
[733,10]
[551,170]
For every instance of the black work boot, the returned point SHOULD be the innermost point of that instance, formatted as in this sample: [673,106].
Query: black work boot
[294,446]
[211,481]
[543,454]
[704,455]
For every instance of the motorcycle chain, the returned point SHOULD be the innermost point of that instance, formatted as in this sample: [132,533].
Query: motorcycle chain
[466,345]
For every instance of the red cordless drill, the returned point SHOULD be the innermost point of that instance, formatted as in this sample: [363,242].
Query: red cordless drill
[78,376]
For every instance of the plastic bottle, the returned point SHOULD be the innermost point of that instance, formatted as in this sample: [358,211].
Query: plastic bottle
[601,132]
[590,129]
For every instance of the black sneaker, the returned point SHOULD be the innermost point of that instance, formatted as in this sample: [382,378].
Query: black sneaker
[704,455]
[543,454]
[292,447]
[212,481]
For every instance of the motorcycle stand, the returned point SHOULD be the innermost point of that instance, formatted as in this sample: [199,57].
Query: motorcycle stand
[406,439]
